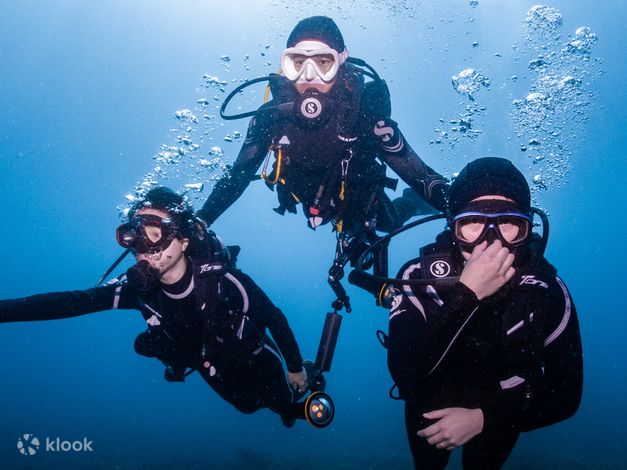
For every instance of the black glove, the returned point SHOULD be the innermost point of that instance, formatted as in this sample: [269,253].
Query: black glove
[141,276]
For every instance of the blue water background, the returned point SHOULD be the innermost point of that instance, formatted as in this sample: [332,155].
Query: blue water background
[87,96]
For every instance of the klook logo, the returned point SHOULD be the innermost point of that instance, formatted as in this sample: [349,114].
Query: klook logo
[29,445]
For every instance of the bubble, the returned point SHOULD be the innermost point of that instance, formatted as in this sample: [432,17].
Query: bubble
[216,151]
[543,19]
[203,102]
[195,186]
[569,81]
[468,82]
[535,99]
[225,58]
[473,3]
[583,41]
[461,127]
[553,111]
[213,81]
[537,63]
[168,157]
[185,115]
[538,181]
[184,139]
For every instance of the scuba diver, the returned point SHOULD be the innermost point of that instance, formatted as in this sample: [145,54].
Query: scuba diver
[327,127]
[202,312]
[483,340]
[331,135]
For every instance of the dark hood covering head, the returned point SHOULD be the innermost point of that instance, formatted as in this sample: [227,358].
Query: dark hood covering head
[164,199]
[317,28]
[486,176]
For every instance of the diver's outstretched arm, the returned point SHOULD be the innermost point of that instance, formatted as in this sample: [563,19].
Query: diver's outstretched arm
[58,305]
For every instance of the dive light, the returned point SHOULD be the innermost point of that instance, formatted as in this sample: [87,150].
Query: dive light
[319,409]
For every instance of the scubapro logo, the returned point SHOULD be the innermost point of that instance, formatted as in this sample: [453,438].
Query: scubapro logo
[27,444]
[440,268]
[311,108]
[382,130]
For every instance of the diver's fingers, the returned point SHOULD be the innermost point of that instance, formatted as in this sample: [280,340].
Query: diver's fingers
[437,440]
[507,263]
[477,250]
[436,414]
[430,431]
[494,248]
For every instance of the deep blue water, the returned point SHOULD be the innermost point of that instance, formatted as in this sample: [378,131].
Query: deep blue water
[88,94]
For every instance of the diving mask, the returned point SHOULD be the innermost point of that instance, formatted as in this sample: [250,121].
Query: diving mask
[489,220]
[146,233]
[312,62]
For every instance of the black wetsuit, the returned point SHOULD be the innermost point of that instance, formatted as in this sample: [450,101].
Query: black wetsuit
[242,364]
[353,131]
[515,355]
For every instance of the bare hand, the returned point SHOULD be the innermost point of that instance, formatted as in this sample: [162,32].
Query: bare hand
[455,427]
[298,380]
[488,269]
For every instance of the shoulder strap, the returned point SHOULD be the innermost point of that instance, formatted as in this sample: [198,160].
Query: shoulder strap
[352,82]
[529,286]
[209,292]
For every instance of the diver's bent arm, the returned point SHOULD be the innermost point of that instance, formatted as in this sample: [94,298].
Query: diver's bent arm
[405,162]
[58,305]
[270,316]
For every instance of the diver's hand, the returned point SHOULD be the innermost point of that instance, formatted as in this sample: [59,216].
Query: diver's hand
[298,380]
[141,275]
[488,269]
[455,427]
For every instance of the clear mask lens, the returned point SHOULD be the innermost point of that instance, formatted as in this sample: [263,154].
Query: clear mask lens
[320,64]
[472,228]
